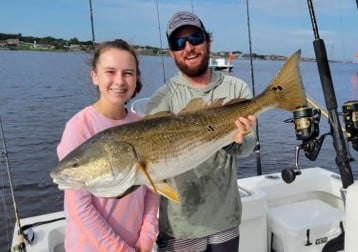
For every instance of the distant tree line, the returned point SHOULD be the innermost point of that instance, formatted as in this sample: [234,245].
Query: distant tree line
[55,42]
[62,44]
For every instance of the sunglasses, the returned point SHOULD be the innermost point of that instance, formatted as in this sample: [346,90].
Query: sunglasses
[194,39]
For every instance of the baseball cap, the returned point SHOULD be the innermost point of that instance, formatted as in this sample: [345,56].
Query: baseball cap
[183,18]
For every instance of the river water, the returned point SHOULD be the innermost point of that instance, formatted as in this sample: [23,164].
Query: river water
[40,91]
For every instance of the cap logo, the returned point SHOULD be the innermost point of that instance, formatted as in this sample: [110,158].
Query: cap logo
[183,18]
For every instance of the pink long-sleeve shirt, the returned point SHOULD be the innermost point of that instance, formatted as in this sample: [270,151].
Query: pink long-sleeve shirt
[105,224]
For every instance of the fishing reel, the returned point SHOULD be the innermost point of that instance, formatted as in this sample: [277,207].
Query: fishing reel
[350,115]
[306,121]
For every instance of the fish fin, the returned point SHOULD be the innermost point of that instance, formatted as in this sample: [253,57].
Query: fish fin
[199,104]
[163,189]
[236,100]
[216,103]
[287,87]
[159,114]
[194,105]
[142,167]
[167,191]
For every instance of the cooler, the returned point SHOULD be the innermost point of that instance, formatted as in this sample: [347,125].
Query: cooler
[304,226]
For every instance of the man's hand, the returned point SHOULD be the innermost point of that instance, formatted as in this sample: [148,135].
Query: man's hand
[244,125]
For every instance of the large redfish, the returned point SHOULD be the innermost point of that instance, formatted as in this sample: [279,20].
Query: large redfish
[115,161]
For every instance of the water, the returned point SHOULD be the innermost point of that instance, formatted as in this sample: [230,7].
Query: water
[40,91]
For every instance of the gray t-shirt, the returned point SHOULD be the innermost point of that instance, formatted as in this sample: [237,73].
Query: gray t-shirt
[210,200]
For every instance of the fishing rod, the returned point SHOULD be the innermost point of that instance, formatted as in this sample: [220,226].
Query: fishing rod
[92,26]
[161,44]
[342,158]
[21,236]
[25,232]
[257,147]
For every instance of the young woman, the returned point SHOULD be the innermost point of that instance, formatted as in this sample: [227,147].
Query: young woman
[108,224]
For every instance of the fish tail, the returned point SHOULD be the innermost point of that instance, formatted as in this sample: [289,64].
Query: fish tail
[286,88]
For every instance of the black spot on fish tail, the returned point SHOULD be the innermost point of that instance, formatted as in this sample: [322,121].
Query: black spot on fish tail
[277,88]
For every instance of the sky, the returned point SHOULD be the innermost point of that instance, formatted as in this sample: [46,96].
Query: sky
[276,26]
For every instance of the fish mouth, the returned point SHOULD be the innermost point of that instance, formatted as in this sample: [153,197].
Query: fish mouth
[69,183]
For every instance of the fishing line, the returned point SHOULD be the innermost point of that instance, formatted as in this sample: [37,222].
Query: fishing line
[6,215]
[257,148]
[5,154]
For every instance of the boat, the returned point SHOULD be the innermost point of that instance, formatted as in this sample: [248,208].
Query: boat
[222,63]
[355,59]
[302,216]
[40,233]
[298,209]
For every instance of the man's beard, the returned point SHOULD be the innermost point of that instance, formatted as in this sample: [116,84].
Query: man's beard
[197,71]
